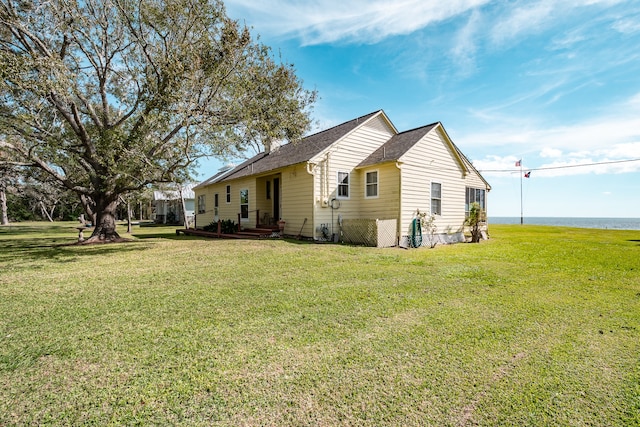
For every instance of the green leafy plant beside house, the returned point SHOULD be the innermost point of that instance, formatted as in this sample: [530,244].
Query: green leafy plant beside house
[227,226]
[476,217]
[428,226]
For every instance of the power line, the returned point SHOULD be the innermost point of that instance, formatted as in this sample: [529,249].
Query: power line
[561,167]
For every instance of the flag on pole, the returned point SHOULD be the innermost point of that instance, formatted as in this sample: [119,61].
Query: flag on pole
[519,163]
[528,174]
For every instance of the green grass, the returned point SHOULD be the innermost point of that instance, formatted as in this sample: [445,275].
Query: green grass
[537,326]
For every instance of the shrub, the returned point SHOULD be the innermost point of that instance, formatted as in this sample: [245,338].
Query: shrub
[476,216]
[227,226]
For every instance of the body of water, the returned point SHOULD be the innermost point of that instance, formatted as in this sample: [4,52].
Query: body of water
[604,223]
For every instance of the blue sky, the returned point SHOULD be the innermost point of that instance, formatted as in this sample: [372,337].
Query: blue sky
[555,83]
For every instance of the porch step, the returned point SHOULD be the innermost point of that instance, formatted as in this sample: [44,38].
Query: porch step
[261,230]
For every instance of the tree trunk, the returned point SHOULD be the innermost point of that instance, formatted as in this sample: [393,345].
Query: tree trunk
[475,233]
[45,212]
[105,225]
[89,208]
[184,209]
[128,218]
[3,208]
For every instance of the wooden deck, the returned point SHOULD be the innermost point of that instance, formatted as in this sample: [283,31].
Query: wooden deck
[248,233]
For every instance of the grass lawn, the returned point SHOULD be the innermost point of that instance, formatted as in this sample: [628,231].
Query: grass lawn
[537,326]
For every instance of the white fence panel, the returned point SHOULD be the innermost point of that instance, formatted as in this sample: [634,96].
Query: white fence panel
[380,233]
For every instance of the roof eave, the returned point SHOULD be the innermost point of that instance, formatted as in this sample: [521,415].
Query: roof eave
[381,162]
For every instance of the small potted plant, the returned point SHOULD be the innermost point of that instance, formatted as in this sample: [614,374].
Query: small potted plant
[281,224]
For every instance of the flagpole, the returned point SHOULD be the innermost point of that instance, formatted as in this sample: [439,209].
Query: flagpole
[521,211]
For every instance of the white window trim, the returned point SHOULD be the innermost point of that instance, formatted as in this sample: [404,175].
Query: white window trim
[241,204]
[377,184]
[338,196]
[202,203]
[467,202]
[431,198]
[227,194]
[216,209]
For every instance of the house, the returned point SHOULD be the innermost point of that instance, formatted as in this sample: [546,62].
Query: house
[349,181]
[166,206]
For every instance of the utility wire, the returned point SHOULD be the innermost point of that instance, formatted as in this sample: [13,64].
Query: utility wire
[561,167]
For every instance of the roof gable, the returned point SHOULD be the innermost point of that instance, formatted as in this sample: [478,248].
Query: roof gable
[397,146]
[400,144]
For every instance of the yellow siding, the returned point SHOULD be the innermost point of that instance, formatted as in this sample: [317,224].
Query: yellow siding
[344,156]
[265,202]
[205,218]
[227,210]
[433,160]
[387,204]
[297,200]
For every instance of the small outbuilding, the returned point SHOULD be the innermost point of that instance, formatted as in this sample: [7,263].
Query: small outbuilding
[167,204]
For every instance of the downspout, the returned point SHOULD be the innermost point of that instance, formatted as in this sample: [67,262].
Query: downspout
[310,171]
[313,199]
[325,184]
[399,231]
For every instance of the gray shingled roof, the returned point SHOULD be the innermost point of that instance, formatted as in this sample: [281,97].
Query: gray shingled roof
[290,154]
[396,146]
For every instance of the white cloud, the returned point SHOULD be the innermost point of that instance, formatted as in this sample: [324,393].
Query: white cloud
[532,17]
[550,152]
[627,25]
[525,17]
[568,40]
[608,139]
[590,165]
[496,165]
[465,45]
[359,21]
[326,21]
[600,162]
[499,166]
[620,127]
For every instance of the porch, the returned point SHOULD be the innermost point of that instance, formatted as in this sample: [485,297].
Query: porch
[271,232]
[227,229]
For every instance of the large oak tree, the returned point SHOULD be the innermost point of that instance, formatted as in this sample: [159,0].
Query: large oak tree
[108,96]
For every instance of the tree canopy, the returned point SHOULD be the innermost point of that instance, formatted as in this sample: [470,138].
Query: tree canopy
[108,96]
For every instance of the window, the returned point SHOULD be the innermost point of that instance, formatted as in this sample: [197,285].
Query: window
[436,198]
[474,195]
[343,185]
[244,204]
[371,184]
[228,194]
[268,190]
[201,204]
[215,206]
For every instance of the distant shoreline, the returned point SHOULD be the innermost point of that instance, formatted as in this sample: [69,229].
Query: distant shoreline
[601,223]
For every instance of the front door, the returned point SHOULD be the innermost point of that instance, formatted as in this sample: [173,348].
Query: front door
[276,199]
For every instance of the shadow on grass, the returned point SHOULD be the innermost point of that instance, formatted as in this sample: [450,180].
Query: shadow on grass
[24,251]
[305,241]
[170,236]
